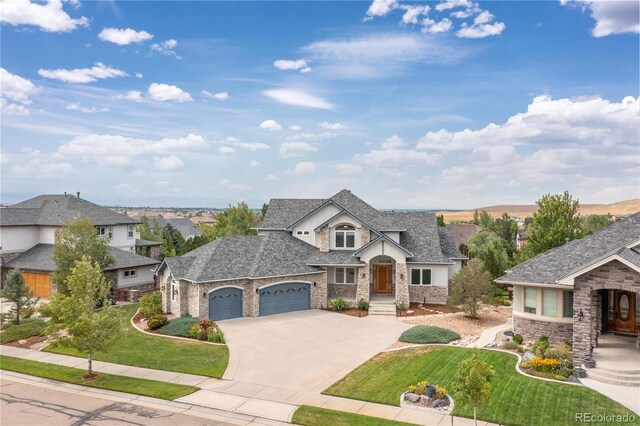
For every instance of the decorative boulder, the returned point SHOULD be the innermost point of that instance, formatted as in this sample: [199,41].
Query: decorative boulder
[528,356]
[22,342]
[439,403]
[412,397]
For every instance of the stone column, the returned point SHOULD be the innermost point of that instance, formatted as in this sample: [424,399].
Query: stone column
[324,238]
[585,301]
[319,291]
[362,289]
[365,236]
[402,284]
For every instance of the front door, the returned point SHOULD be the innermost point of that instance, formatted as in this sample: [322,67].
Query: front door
[622,311]
[382,282]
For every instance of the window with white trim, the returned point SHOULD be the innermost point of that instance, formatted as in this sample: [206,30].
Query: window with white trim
[345,275]
[130,231]
[345,236]
[530,299]
[305,233]
[549,303]
[421,276]
[129,273]
[105,231]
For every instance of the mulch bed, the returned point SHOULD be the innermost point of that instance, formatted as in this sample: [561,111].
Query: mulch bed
[419,309]
[353,312]
[29,341]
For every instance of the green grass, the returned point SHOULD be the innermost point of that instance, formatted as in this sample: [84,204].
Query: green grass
[27,328]
[428,334]
[313,416]
[178,326]
[152,388]
[514,399]
[143,350]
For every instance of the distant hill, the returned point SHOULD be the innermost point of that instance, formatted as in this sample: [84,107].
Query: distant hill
[522,211]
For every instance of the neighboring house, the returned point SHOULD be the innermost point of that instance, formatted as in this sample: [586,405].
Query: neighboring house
[463,231]
[184,225]
[521,238]
[581,289]
[309,252]
[27,235]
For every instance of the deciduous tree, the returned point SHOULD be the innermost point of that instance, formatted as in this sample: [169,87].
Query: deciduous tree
[487,246]
[470,286]
[235,220]
[472,382]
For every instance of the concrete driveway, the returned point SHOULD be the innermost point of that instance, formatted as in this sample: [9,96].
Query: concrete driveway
[290,357]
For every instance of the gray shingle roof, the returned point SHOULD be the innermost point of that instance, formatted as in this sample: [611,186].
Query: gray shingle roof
[283,212]
[248,256]
[184,225]
[462,231]
[448,244]
[56,209]
[557,263]
[40,258]
[630,256]
[422,237]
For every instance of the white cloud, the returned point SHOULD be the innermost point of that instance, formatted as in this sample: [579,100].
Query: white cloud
[591,121]
[332,126]
[131,95]
[123,37]
[226,150]
[389,158]
[295,127]
[165,92]
[345,169]
[166,48]
[254,163]
[481,27]
[48,17]
[16,89]
[170,163]
[139,75]
[303,168]
[456,174]
[612,17]
[37,168]
[227,184]
[311,136]
[270,125]
[220,96]
[83,75]
[249,146]
[380,8]
[412,13]
[433,27]
[451,4]
[75,106]
[424,180]
[296,149]
[295,65]
[394,141]
[271,178]
[298,98]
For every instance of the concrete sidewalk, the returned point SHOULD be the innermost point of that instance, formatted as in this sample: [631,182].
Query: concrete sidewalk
[489,335]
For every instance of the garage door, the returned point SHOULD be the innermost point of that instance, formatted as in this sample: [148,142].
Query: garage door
[225,303]
[285,297]
[39,284]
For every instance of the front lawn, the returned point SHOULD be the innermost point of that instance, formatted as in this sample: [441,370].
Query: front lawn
[151,388]
[27,328]
[313,416]
[514,399]
[160,353]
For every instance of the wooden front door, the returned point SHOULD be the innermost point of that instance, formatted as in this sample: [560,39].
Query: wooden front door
[38,283]
[382,283]
[622,311]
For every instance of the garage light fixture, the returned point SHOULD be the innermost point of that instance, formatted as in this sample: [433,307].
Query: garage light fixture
[315,284]
[204,295]
[257,291]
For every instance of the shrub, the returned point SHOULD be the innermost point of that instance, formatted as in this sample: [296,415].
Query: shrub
[339,304]
[542,342]
[441,392]
[216,336]
[518,338]
[428,334]
[552,353]
[29,308]
[547,365]
[510,345]
[401,305]
[151,304]
[27,328]
[157,321]
[418,388]
[363,305]
[178,326]
[201,330]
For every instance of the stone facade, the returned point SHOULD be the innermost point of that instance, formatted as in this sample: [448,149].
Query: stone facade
[363,284]
[531,329]
[133,294]
[428,294]
[402,283]
[324,238]
[586,299]
[365,236]
[345,291]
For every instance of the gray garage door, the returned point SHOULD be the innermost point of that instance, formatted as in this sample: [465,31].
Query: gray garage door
[225,303]
[285,297]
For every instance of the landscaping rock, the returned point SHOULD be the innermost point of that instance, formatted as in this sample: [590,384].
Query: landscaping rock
[439,403]
[573,379]
[409,312]
[22,342]
[424,400]
[412,397]
[528,356]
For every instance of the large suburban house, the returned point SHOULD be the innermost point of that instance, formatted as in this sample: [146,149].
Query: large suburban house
[184,225]
[581,289]
[27,235]
[309,252]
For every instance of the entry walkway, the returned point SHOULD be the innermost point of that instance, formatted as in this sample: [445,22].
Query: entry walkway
[489,335]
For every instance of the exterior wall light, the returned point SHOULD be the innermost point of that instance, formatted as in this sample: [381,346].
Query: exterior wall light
[580,315]
[204,295]
[257,291]
[402,276]
[315,284]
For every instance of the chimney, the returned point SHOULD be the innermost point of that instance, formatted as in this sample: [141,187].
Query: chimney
[65,193]
[78,194]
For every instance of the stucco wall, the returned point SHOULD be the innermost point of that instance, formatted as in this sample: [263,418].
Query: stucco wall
[18,238]
[312,222]
[439,273]
[144,275]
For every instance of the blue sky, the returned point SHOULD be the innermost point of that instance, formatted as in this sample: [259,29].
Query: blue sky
[453,104]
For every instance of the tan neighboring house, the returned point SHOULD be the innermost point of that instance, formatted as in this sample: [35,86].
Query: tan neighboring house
[309,252]
[27,235]
[462,232]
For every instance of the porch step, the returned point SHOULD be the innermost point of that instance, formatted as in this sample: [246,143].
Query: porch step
[382,308]
[613,377]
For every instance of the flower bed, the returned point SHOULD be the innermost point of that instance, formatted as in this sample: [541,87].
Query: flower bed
[427,397]
[542,359]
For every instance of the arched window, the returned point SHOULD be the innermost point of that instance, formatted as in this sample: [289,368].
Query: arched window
[345,236]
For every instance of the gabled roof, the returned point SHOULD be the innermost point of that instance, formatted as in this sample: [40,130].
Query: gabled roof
[55,210]
[554,265]
[184,225]
[40,258]
[283,212]
[422,237]
[381,239]
[448,243]
[462,231]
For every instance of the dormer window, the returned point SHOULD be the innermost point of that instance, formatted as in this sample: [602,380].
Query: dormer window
[345,236]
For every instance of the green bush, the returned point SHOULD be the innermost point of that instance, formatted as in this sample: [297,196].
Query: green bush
[339,304]
[216,336]
[178,326]
[363,305]
[157,321]
[518,338]
[441,392]
[27,328]
[510,345]
[418,388]
[552,353]
[401,305]
[151,304]
[428,334]
[540,345]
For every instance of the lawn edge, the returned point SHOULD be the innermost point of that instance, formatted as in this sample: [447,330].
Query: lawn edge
[345,413]
[171,337]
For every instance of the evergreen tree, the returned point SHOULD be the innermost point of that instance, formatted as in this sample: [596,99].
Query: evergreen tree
[16,291]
